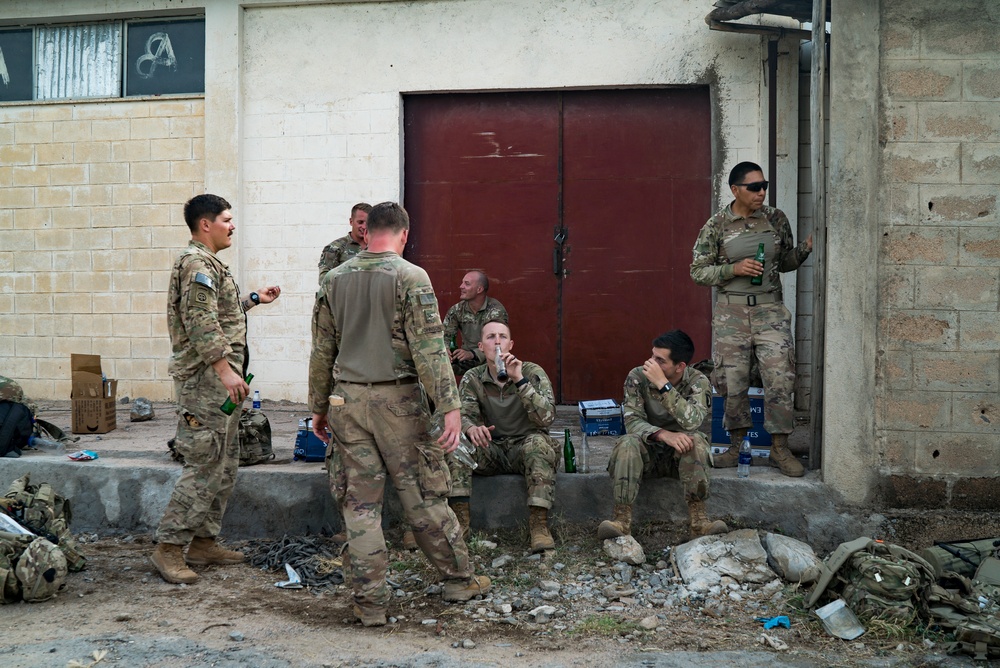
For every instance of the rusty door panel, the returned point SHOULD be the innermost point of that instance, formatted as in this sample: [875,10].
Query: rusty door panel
[637,188]
[626,175]
[481,185]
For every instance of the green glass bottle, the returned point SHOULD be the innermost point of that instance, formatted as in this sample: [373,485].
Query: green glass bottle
[453,345]
[569,454]
[230,405]
[759,280]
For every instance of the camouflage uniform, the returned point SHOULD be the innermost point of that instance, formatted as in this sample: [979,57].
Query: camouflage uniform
[207,323]
[750,320]
[10,390]
[637,455]
[461,318]
[521,442]
[336,253]
[377,330]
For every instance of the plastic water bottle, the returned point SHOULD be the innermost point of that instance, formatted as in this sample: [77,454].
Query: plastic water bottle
[465,452]
[45,444]
[743,468]
[256,399]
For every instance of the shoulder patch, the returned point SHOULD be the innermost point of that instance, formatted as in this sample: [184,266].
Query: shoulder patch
[205,280]
[427,298]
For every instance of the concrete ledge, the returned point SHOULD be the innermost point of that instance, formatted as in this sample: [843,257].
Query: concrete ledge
[129,495]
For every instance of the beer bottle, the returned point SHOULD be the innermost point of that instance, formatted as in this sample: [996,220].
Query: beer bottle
[759,280]
[230,405]
[501,365]
[569,454]
[453,344]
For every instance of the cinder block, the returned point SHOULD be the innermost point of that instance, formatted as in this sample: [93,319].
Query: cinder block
[957,454]
[900,122]
[965,289]
[177,108]
[956,371]
[978,330]
[33,133]
[981,81]
[157,171]
[959,204]
[110,172]
[73,260]
[131,193]
[71,131]
[53,112]
[72,302]
[900,40]
[896,367]
[106,110]
[131,281]
[132,324]
[6,176]
[130,237]
[113,302]
[54,196]
[133,151]
[976,412]
[53,240]
[13,325]
[965,34]
[923,162]
[68,175]
[187,126]
[70,217]
[149,128]
[170,149]
[51,369]
[156,216]
[114,349]
[110,216]
[979,246]
[91,151]
[171,193]
[33,260]
[91,238]
[937,330]
[976,493]
[16,154]
[152,259]
[187,170]
[32,346]
[92,281]
[54,281]
[198,148]
[97,325]
[91,195]
[921,245]
[980,163]
[917,410]
[33,303]
[31,219]
[954,121]
[116,129]
[30,175]
[64,346]
[897,450]
[896,285]
[907,491]
[17,198]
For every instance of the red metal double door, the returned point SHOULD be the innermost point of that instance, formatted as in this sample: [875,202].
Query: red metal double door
[581,206]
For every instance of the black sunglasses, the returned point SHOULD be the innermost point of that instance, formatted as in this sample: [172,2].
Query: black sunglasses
[754,187]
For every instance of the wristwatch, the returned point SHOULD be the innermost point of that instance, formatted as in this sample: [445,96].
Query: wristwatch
[666,388]
[255,298]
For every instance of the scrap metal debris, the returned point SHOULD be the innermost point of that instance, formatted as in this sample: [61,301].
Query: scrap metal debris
[316,559]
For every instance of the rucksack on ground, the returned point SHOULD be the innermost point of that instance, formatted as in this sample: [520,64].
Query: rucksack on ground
[969,608]
[43,512]
[875,579]
[254,437]
[15,427]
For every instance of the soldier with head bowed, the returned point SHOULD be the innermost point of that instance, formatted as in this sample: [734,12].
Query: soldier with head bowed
[206,318]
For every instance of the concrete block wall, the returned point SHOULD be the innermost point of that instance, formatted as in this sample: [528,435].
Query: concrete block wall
[91,197]
[938,372]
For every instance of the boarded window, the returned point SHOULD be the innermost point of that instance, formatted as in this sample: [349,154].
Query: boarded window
[165,57]
[15,65]
[78,61]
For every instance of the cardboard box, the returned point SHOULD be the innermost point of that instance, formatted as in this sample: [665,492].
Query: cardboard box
[93,397]
[758,436]
[601,416]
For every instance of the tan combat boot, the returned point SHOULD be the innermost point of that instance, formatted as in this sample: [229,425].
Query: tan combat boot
[410,541]
[700,524]
[783,458]
[457,592]
[620,526]
[205,551]
[169,561]
[463,512]
[731,457]
[370,617]
[538,523]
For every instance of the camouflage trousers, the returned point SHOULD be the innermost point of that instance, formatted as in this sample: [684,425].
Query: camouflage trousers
[741,334]
[633,459]
[208,440]
[535,456]
[382,430]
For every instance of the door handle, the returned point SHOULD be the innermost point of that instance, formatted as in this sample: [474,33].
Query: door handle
[557,256]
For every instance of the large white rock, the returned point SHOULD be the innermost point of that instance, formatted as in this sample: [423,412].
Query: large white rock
[625,548]
[792,559]
[703,562]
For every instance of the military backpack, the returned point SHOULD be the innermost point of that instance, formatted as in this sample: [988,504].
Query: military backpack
[32,568]
[15,427]
[255,438]
[43,512]
[969,608]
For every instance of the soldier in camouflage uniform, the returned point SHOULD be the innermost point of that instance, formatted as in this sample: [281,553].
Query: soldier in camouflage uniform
[751,320]
[665,403]
[376,347]
[341,250]
[508,423]
[207,323]
[468,317]
[10,390]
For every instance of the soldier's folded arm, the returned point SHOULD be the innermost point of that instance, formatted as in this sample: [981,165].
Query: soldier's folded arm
[707,267]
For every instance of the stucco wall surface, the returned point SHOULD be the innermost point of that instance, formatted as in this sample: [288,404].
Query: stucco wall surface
[939,261]
[322,111]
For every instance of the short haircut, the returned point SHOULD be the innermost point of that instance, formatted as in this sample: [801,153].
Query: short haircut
[203,206]
[741,170]
[388,216]
[484,280]
[493,322]
[361,206]
[679,344]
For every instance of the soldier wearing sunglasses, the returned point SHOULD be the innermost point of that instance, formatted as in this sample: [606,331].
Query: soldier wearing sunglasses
[751,321]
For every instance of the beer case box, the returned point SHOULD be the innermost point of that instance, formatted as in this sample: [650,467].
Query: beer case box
[92,397]
[758,436]
[601,417]
[308,447]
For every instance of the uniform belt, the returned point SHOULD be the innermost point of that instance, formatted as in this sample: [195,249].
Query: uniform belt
[749,300]
[409,380]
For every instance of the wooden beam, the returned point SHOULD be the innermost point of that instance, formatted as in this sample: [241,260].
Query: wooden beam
[817,164]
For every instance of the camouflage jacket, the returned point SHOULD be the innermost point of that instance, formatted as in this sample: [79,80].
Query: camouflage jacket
[514,411]
[376,319]
[712,264]
[683,408]
[10,390]
[336,253]
[204,315]
[461,318]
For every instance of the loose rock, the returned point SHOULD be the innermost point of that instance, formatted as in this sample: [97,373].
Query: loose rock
[792,559]
[142,410]
[625,548]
